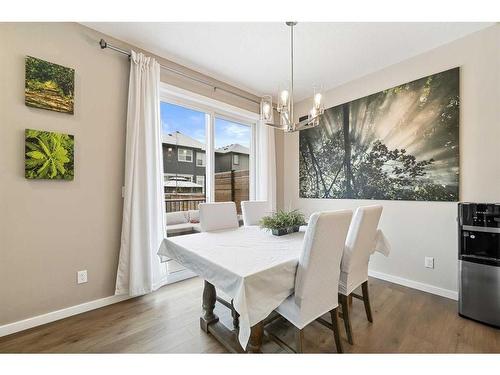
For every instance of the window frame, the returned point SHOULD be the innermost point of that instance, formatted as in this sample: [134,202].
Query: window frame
[179,154]
[202,184]
[236,159]
[215,109]
[204,159]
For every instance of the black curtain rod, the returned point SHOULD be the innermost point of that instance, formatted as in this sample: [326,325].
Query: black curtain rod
[105,44]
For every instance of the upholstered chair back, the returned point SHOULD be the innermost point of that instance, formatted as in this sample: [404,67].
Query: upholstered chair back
[317,278]
[253,211]
[361,239]
[218,216]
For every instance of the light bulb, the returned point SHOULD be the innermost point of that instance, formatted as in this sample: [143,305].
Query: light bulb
[284,97]
[266,108]
[317,100]
[313,112]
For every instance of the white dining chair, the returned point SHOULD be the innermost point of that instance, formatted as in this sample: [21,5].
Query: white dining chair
[220,216]
[317,272]
[253,211]
[359,245]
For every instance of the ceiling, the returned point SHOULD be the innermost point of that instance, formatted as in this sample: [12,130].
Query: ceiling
[256,56]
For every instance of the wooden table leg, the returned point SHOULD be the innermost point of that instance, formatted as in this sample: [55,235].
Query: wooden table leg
[256,335]
[208,304]
[235,316]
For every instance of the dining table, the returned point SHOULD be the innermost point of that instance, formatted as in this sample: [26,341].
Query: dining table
[253,268]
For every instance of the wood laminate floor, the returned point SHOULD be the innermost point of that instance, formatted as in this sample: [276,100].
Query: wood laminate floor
[167,321]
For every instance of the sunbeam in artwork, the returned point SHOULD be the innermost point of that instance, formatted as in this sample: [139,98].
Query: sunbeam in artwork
[400,143]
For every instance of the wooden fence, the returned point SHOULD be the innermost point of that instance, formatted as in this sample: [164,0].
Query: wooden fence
[229,186]
[232,186]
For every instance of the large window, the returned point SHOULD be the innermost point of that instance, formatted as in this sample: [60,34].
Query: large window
[210,141]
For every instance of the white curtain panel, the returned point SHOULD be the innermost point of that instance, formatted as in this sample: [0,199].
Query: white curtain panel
[142,226]
[266,165]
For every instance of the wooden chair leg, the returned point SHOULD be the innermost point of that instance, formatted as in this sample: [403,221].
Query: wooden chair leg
[299,336]
[336,333]
[345,317]
[366,301]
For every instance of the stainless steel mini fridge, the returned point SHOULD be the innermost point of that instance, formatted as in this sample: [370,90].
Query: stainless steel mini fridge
[479,262]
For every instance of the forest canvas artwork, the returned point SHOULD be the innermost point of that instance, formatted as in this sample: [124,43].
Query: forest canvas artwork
[49,86]
[48,155]
[397,144]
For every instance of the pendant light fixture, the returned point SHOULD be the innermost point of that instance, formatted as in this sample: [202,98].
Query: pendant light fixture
[286,100]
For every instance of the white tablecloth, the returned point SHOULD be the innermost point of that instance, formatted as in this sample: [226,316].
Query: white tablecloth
[382,244]
[250,265]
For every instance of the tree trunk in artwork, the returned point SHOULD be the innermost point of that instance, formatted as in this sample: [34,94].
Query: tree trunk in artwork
[347,148]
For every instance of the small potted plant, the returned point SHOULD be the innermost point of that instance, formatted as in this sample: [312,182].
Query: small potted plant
[283,222]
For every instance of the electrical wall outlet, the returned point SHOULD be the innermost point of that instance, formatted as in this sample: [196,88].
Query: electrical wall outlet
[81,277]
[429,262]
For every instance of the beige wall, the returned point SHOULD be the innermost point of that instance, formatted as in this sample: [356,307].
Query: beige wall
[51,229]
[419,229]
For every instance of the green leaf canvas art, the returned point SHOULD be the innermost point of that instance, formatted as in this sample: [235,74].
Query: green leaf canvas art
[48,155]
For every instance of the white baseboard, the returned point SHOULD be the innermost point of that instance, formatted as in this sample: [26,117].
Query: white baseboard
[415,285]
[52,316]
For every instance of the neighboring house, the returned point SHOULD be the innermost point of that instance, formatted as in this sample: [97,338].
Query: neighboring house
[233,157]
[185,157]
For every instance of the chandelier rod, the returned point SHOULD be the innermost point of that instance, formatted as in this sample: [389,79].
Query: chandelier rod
[291,85]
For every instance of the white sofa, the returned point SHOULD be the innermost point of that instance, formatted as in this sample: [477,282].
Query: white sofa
[182,222]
